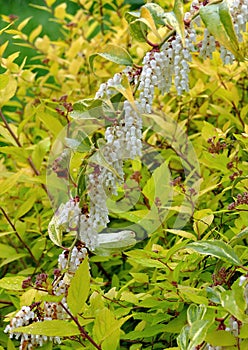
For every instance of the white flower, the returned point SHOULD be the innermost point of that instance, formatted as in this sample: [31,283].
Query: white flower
[208,45]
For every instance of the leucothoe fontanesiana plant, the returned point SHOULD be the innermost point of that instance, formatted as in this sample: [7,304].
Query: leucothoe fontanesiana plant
[185,309]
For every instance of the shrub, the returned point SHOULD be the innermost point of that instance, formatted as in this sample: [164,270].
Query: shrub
[132,127]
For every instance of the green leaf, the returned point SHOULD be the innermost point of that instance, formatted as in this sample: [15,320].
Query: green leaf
[40,149]
[8,92]
[202,220]
[217,19]
[183,338]
[138,30]
[179,14]
[242,235]
[195,313]
[156,11]
[10,345]
[6,251]
[4,80]
[149,331]
[79,288]
[213,295]
[182,233]
[106,330]
[197,332]
[13,258]
[175,325]
[140,277]
[55,232]
[131,16]
[51,123]
[114,54]
[158,185]
[53,328]
[7,184]
[83,109]
[218,249]
[244,331]
[27,204]
[234,302]
[192,294]
[12,283]
[171,21]
[226,20]
[220,338]
[114,242]
[147,19]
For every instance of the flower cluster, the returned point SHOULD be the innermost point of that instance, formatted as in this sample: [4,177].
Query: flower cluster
[106,90]
[239,13]
[159,67]
[98,207]
[68,263]
[241,199]
[133,130]
[208,45]
[67,216]
[25,317]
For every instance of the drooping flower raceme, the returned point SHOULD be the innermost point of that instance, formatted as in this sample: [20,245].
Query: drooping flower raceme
[159,67]
[24,317]
[68,263]
[239,13]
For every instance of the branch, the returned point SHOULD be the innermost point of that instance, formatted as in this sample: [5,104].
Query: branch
[81,328]
[29,159]
[18,236]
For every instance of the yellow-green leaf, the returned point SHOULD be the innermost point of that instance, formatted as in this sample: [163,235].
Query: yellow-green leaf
[53,328]
[221,338]
[8,92]
[179,14]
[59,11]
[216,18]
[23,24]
[79,289]
[36,32]
[114,54]
[26,205]
[147,18]
[4,80]
[12,283]
[7,184]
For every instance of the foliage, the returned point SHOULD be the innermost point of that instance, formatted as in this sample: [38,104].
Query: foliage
[183,285]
